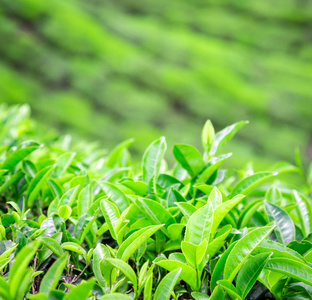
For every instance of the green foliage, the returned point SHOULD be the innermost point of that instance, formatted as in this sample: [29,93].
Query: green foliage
[80,224]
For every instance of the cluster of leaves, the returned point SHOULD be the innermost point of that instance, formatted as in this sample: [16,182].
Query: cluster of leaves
[80,225]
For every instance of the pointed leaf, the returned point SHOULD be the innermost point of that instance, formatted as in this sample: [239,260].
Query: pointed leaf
[189,158]
[199,225]
[285,228]
[52,277]
[152,158]
[248,183]
[165,287]
[249,273]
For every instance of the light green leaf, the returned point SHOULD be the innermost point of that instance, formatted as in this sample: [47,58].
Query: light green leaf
[64,212]
[292,268]
[304,212]
[100,253]
[80,292]
[285,228]
[188,273]
[126,270]
[152,158]
[135,240]
[194,254]
[111,214]
[207,136]
[36,184]
[222,210]
[199,225]
[155,212]
[248,213]
[19,267]
[230,289]
[75,248]
[115,195]
[223,136]
[215,198]
[249,273]
[18,155]
[69,197]
[165,287]
[53,245]
[52,277]
[189,158]
[217,243]
[248,183]
[243,249]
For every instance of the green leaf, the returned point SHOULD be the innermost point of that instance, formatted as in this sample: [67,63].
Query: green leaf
[304,212]
[285,228]
[207,136]
[194,254]
[126,270]
[18,155]
[189,158]
[274,196]
[248,183]
[292,268]
[218,270]
[135,240]
[200,296]
[278,250]
[84,200]
[215,198]
[4,262]
[211,167]
[248,213]
[52,277]
[19,267]
[187,209]
[230,289]
[115,195]
[217,243]
[111,214]
[249,273]
[100,253]
[152,158]
[188,273]
[7,252]
[165,287]
[53,245]
[222,210]
[69,197]
[148,287]
[243,249]
[80,292]
[223,136]
[75,248]
[36,184]
[199,225]
[155,212]
[65,212]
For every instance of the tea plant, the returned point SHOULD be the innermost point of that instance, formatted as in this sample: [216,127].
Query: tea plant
[79,224]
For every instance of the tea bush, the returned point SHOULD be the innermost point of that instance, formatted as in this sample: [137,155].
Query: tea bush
[77,223]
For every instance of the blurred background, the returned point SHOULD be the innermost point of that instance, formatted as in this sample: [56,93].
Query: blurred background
[110,70]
